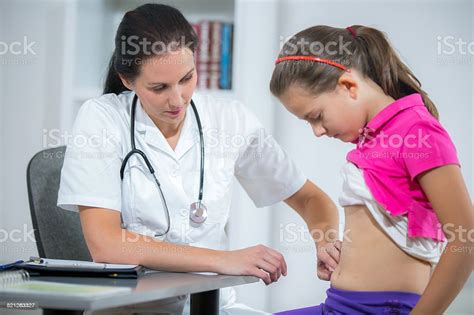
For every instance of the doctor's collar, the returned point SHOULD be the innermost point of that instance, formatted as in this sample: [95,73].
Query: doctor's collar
[143,121]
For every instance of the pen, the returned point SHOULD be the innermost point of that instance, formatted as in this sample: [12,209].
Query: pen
[11,265]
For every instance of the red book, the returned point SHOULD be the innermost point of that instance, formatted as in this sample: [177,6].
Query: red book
[203,55]
[215,54]
[197,29]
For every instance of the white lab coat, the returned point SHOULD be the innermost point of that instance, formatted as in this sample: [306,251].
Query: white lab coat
[236,144]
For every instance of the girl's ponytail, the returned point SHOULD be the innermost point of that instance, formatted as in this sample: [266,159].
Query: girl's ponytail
[379,61]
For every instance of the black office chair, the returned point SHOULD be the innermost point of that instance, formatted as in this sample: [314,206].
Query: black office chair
[58,232]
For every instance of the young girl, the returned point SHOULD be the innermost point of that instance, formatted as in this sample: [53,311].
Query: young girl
[402,188]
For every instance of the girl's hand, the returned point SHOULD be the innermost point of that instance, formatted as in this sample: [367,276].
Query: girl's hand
[259,261]
[328,258]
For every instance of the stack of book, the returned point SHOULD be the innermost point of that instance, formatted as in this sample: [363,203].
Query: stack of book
[214,54]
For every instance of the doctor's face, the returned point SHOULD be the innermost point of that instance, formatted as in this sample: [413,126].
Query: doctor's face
[165,86]
[335,114]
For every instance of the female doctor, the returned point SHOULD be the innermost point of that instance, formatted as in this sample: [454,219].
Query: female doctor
[153,181]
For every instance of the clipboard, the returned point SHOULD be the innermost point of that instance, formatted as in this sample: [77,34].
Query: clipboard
[78,268]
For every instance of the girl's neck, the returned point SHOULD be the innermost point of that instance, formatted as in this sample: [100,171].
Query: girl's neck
[378,101]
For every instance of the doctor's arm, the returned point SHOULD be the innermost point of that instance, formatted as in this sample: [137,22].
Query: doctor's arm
[322,218]
[445,189]
[108,242]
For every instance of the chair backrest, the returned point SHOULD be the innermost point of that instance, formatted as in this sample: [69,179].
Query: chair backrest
[58,232]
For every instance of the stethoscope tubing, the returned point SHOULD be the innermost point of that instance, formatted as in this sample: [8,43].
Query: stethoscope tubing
[150,167]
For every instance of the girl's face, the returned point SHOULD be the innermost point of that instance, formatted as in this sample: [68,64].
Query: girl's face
[165,86]
[337,114]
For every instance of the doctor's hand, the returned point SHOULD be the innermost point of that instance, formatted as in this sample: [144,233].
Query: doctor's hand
[328,258]
[259,261]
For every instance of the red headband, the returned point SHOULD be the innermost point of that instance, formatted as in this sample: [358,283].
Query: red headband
[316,59]
[352,31]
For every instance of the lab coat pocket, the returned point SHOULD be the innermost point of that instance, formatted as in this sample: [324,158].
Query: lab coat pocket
[218,193]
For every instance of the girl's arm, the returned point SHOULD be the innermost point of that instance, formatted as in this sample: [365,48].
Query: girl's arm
[445,189]
[322,218]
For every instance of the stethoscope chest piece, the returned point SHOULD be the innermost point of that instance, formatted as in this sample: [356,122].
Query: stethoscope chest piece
[198,212]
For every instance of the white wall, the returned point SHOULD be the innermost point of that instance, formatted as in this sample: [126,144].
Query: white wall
[248,225]
[30,99]
[413,27]
[2,131]
[2,115]
[30,93]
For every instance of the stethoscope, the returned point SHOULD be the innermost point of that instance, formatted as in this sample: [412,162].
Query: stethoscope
[197,210]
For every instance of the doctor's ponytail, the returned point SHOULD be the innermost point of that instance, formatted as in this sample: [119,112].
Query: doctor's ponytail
[158,25]
[358,47]
[113,84]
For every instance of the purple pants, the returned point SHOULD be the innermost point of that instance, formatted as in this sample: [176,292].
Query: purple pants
[361,302]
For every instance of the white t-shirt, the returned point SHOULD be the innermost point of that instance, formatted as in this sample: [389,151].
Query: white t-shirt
[356,192]
[236,144]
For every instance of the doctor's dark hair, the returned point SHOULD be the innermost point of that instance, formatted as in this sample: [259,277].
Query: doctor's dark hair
[362,48]
[157,25]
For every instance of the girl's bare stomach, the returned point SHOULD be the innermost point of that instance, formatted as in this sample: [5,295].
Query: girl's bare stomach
[371,261]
